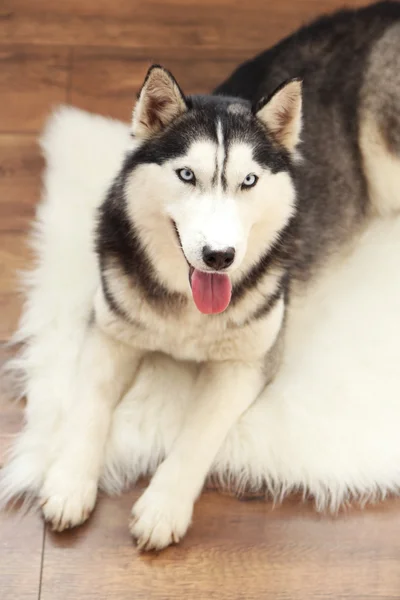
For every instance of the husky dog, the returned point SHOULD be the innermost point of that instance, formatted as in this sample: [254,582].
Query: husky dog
[224,208]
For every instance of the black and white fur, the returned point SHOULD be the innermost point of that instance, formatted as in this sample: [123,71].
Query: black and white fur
[285,187]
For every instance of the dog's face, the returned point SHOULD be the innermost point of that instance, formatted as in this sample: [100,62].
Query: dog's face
[212,176]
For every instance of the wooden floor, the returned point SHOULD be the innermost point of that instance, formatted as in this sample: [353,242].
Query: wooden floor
[94,53]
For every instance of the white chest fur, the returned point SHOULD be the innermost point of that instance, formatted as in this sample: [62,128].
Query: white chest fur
[191,335]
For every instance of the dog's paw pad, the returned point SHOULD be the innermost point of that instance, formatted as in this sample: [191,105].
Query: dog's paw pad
[65,507]
[159,520]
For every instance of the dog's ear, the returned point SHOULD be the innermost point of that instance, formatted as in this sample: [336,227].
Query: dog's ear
[282,113]
[160,101]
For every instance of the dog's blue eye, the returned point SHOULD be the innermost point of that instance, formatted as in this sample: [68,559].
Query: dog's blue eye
[186,175]
[249,181]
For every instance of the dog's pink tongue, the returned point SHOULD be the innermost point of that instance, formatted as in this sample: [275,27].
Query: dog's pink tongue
[211,291]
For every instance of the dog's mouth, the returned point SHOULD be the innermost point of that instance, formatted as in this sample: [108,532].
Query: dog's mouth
[211,291]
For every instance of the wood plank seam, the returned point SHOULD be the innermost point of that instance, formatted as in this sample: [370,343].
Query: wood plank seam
[42,562]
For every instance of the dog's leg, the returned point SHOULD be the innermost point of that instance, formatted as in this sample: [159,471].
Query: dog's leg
[106,368]
[163,513]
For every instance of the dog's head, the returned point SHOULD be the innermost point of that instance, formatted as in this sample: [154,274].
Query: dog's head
[209,185]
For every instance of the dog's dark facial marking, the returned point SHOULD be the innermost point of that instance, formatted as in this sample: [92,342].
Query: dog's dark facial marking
[278,255]
[280,292]
[109,298]
[118,239]
[200,122]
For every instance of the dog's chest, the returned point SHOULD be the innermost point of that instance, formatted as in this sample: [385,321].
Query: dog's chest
[185,333]
[191,336]
[185,338]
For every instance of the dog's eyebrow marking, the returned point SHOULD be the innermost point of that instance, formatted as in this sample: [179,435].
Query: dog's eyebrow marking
[220,159]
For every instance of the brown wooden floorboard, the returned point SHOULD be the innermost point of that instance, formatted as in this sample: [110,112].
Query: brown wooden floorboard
[20,175]
[94,54]
[156,23]
[21,544]
[13,258]
[235,550]
[32,79]
[106,80]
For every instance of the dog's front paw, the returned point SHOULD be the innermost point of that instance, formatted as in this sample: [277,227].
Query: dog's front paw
[160,518]
[67,502]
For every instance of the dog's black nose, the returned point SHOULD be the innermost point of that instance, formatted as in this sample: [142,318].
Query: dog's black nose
[218,259]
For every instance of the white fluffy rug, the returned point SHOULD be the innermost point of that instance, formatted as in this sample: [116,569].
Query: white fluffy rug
[329,424]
